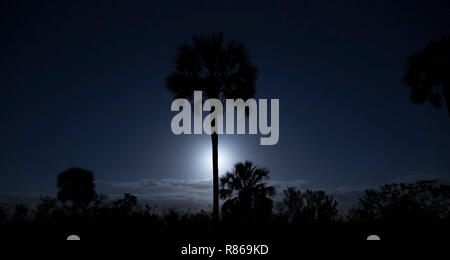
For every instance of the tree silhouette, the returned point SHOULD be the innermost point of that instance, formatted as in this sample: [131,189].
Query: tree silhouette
[396,211]
[248,193]
[3,215]
[292,205]
[219,70]
[20,215]
[428,74]
[76,185]
[424,200]
[308,206]
[46,208]
[125,206]
[319,206]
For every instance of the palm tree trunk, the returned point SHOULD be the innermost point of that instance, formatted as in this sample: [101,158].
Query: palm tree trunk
[215,158]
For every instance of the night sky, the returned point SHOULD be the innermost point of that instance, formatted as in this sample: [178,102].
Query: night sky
[82,84]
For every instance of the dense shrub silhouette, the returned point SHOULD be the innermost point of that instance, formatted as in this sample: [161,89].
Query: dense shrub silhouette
[21,214]
[309,206]
[125,206]
[47,209]
[421,201]
[3,215]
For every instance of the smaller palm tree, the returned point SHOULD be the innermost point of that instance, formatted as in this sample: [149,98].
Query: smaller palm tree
[247,192]
[428,74]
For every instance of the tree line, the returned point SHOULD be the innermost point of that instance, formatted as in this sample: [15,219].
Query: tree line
[248,209]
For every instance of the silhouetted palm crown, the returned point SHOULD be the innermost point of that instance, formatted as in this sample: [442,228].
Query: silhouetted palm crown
[219,70]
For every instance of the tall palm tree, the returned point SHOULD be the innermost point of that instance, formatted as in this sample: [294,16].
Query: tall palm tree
[221,71]
[428,74]
[247,191]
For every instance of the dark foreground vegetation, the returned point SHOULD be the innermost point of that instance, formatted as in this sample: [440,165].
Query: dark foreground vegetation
[394,211]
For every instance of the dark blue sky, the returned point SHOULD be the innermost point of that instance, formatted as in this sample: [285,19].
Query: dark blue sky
[82,85]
